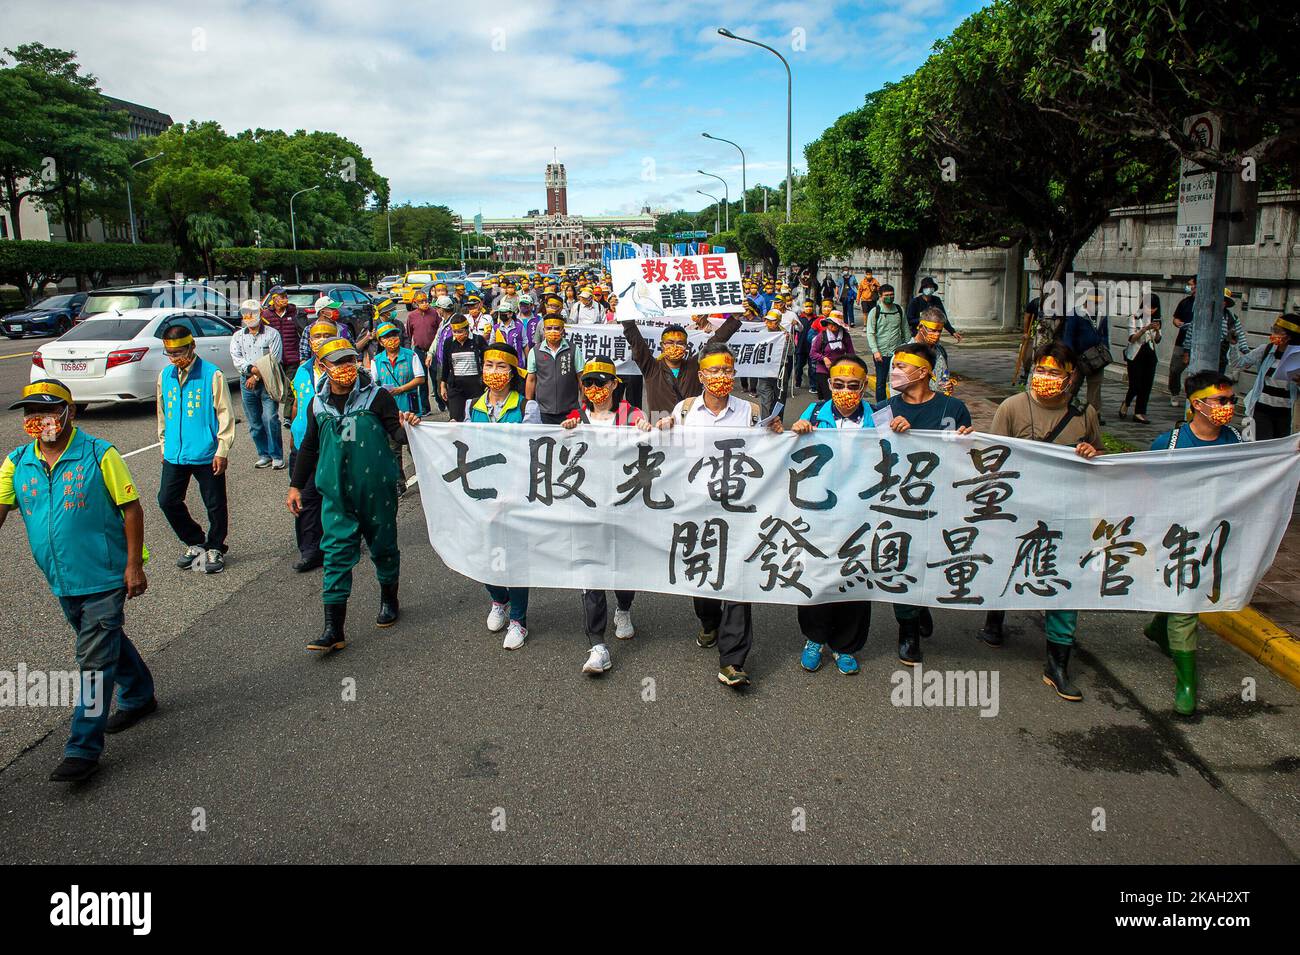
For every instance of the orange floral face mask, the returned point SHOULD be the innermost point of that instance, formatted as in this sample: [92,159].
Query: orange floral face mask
[598,394]
[497,380]
[342,374]
[1046,386]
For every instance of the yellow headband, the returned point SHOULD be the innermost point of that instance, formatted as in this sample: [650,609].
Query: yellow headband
[1207,391]
[174,344]
[331,347]
[463,323]
[496,354]
[718,360]
[908,358]
[848,369]
[47,388]
[1050,362]
[599,367]
[1288,324]
[322,328]
[932,324]
[551,322]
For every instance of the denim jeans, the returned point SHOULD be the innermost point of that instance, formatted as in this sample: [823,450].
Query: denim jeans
[103,647]
[263,421]
[517,597]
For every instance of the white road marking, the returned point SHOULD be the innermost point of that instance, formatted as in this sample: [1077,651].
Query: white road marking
[138,450]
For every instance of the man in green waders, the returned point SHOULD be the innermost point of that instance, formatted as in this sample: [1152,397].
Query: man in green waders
[346,449]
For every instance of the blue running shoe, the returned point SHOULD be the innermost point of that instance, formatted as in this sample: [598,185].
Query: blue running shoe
[847,663]
[812,657]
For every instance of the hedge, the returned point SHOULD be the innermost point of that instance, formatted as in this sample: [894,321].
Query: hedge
[30,265]
[471,265]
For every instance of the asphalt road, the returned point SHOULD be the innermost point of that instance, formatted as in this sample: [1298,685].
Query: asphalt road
[457,750]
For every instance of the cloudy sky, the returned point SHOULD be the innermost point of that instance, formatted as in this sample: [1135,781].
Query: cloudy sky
[463,103]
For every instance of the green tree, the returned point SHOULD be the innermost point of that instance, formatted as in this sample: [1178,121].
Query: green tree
[1011,168]
[1134,71]
[870,185]
[756,238]
[59,134]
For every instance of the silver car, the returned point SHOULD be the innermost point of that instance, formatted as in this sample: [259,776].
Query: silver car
[117,356]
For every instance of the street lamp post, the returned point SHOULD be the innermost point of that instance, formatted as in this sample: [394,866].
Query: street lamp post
[130,207]
[726,192]
[717,221]
[743,186]
[293,230]
[789,114]
[389,213]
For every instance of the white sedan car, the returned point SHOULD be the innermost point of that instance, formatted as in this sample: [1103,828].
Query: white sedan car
[117,356]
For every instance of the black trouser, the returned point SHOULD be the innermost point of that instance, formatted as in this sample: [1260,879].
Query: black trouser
[549,418]
[841,626]
[595,611]
[457,400]
[1141,376]
[734,627]
[823,382]
[306,524]
[1271,422]
[171,498]
[801,364]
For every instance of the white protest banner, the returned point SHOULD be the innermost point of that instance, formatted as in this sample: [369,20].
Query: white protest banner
[923,518]
[677,287]
[758,352]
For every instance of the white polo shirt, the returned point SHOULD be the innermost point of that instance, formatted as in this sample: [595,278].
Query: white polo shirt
[739,413]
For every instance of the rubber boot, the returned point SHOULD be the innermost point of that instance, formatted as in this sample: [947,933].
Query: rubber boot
[1157,631]
[1056,675]
[388,606]
[909,642]
[1185,687]
[925,622]
[332,637]
[992,632]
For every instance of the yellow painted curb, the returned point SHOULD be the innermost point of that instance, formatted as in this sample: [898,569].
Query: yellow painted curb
[1261,639]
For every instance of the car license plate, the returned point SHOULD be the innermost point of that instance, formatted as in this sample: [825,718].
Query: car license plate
[16,328]
[71,366]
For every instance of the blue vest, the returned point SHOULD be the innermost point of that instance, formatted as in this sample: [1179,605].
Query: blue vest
[75,530]
[189,420]
[304,388]
[512,412]
[394,373]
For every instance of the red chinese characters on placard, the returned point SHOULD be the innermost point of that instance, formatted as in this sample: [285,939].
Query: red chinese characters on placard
[654,270]
[715,267]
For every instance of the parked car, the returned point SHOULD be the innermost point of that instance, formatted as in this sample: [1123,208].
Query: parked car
[385,285]
[117,356]
[175,295]
[53,315]
[355,306]
[478,278]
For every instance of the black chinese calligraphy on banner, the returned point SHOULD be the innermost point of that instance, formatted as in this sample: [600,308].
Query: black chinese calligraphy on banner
[973,522]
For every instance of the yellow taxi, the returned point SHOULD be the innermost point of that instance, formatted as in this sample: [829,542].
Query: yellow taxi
[412,282]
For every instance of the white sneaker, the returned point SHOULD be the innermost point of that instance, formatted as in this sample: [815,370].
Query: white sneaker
[1174,402]
[623,628]
[497,617]
[277,464]
[262,462]
[598,660]
[516,634]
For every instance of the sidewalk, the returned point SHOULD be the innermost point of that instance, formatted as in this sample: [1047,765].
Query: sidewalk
[1272,633]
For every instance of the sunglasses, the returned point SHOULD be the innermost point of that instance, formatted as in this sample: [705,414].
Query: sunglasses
[851,385]
[1219,400]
